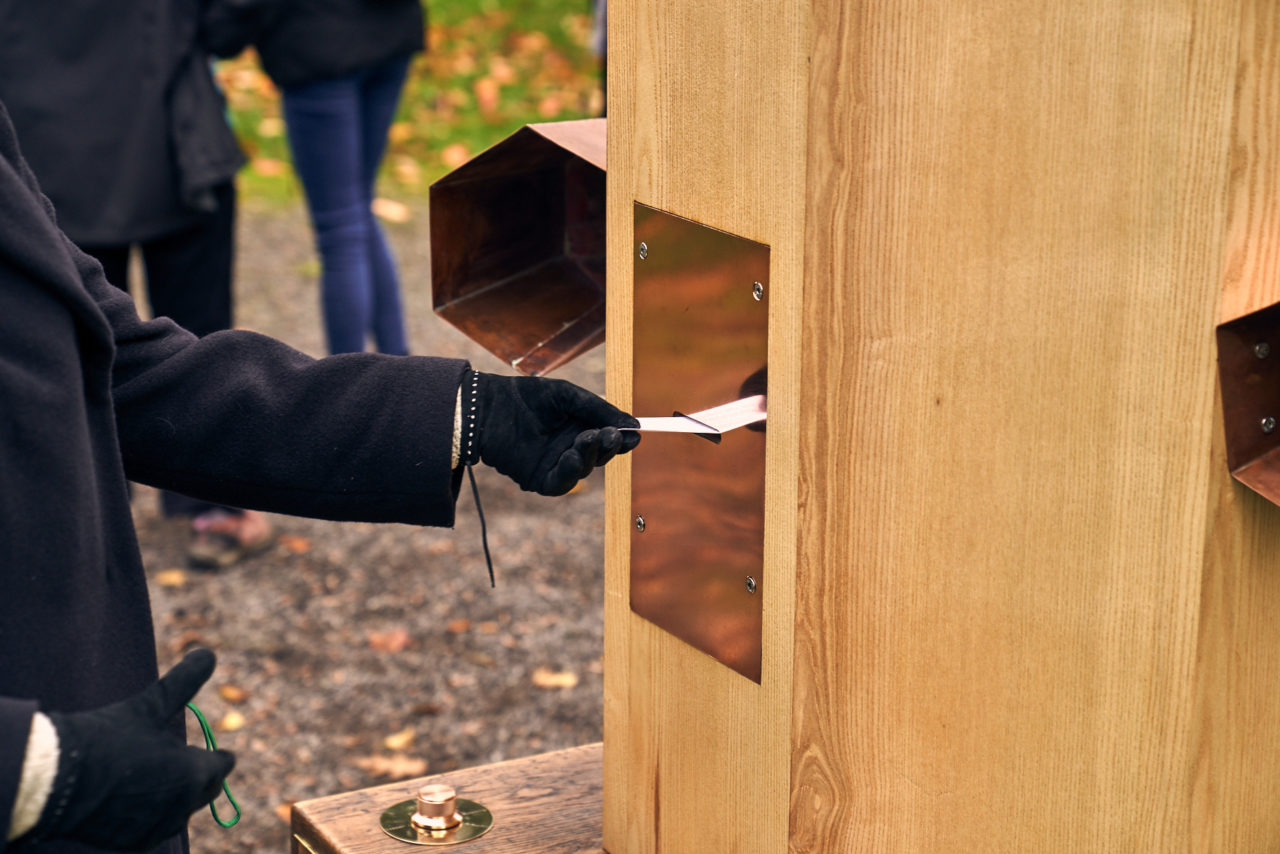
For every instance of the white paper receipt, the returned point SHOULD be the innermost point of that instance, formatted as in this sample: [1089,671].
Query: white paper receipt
[717,419]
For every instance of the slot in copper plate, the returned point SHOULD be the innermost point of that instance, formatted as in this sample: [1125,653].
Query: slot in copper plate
[701,334]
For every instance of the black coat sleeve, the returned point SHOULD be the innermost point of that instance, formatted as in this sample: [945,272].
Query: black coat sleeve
[242,419]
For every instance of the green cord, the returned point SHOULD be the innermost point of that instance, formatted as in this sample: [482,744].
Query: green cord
[211,743]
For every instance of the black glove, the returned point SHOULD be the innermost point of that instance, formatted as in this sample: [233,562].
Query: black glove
[546,435]
[125,781]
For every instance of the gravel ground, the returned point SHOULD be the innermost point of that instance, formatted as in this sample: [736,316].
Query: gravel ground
[352,654]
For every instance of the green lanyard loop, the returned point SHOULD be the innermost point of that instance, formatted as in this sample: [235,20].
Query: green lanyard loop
[211,743]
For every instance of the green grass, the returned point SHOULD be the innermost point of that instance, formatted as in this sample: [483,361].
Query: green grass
[491,67]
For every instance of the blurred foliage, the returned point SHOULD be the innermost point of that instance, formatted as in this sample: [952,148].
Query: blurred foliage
[491,66]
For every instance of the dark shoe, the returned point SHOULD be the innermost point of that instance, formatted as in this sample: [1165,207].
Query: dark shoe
[221,539]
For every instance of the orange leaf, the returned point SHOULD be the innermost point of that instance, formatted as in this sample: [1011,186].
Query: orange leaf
[295,544]
[231,722]
[399,741]
[232,693]
[550,679]
[397,767]
[171,578]
[457,627]
[393,640]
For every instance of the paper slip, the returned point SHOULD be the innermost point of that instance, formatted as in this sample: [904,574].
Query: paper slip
[717,419]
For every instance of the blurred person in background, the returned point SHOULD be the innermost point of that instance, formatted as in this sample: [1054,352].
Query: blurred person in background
[127,134]
[340,66]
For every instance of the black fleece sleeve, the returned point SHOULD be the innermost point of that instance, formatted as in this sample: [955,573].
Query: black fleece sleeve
[242,419]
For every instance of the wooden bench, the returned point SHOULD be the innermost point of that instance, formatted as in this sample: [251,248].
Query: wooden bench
[545,803]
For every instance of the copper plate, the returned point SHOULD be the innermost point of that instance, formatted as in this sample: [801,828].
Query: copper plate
[701,339]
[1249,372]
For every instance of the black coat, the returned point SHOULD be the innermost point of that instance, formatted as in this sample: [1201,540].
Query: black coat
[300,41]
[118,113]
[90,395]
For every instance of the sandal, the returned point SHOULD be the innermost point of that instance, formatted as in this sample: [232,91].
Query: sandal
[220,539]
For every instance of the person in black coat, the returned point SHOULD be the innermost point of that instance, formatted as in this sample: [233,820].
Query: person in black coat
[91,752]
[127,133]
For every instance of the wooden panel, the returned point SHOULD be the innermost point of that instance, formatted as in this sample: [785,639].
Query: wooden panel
[548,803]
[1251,278]
[1032,611]
[706,105]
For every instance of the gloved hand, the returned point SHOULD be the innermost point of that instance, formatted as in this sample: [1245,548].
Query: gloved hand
[125,781]
[546,435]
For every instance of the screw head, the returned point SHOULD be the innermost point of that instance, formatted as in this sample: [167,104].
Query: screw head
[757,291]
[751,584]
[1262,349]
[1268,424]
[644,251]
[640,524]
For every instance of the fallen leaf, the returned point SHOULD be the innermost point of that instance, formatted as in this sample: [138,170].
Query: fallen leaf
[171,578]
[232,693]
[397,766]
[400,132]
[284,812]
[295,544]
[271,126]
[391,210]
[546,678]
[501,70]
[488,627]
[392,640]
[440,547]
[472,728]
[550,106]
[481,659]
[457,627]
[486,90]
[407,170]
[399,741]
[231,722]
[189,639]
[461,680]
[455,155]
[269,167]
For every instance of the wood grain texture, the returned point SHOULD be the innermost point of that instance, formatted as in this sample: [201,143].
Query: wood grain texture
[548,803]
[1251,279]
[1031,607]
[706,106]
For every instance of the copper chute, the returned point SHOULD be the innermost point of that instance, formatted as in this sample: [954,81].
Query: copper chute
[1249,374]
[517,245]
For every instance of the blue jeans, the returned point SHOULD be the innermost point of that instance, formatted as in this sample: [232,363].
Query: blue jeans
[338,133]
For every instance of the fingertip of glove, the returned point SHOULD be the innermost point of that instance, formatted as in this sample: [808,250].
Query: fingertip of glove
[200,658]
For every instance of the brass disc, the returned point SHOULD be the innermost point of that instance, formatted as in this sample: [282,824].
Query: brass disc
[476,821]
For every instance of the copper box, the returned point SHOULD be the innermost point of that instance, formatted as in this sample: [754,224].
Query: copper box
[1249,373]
[701,333]
[517,245]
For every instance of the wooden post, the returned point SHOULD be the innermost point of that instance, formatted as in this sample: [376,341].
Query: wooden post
[1015,602]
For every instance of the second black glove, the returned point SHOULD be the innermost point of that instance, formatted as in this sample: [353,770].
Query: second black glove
[125,782]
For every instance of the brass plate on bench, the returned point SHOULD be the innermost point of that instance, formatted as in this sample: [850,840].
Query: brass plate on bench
[701,334]
[476,822]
